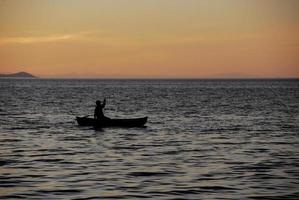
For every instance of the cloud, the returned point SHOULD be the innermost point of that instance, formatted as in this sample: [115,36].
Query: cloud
[36,39]
[84,35]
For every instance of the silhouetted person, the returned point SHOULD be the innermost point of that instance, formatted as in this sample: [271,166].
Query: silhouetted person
[98,111]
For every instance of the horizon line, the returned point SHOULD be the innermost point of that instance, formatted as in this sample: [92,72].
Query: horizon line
[167,77]
[215,76]
[154,78]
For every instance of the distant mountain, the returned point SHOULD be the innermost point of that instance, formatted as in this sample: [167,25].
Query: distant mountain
[18,75]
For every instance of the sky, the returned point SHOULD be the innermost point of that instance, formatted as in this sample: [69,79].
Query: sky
[150,38]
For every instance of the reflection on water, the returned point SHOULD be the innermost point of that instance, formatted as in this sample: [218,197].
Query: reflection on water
[205,139]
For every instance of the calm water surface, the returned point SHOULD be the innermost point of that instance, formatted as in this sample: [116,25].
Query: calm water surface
[205,139]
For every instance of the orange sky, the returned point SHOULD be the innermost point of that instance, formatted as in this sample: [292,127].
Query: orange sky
[150,38]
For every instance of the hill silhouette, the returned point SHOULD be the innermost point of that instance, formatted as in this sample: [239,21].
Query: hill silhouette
[18,75]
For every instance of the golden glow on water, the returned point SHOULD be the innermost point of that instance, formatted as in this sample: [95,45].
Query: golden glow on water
[6,191]
[150,38]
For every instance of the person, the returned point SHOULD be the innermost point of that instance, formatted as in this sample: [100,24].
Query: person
[98,111]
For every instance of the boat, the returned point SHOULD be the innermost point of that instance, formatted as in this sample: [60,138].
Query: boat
[107,122]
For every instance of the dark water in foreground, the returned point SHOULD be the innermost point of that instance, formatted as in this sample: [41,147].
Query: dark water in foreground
[205,139]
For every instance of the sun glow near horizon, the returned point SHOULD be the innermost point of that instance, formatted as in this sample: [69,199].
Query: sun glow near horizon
[150,38]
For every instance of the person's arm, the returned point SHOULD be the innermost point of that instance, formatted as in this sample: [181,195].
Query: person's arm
[104,103]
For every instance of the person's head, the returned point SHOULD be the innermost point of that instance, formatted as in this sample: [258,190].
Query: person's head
[98,103]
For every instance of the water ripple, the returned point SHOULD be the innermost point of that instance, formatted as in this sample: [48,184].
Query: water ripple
[205,139]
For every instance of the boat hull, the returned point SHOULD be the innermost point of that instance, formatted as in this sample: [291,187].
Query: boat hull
[134,122]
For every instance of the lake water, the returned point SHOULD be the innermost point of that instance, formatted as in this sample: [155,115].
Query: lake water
[205,139]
